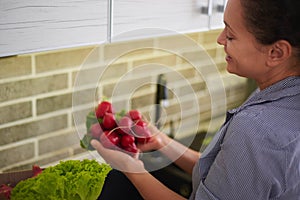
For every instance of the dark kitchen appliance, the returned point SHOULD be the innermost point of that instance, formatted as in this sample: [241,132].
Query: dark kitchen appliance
[161,98]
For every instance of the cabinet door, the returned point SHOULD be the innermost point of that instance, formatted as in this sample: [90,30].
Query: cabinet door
[217,9]
[136,18]
[36,25]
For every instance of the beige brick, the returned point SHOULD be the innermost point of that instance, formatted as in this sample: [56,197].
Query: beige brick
[114,71]
[124,87]
[117,49]
[167,60]
[210,37]
[142,101]
[78,150]
[198,86]
[53,157]
[86,76]
[80,116]
[134,55]
[190,89]
[58,142]
[197,55]
[207,70]
[54,103]
[151,69]
[174,109]
[121,104]
[29,87]
[16,154]
[212,52]
[194,36]
[32,129]
[180,75]
[177,42]
[50,61]
[90,76]
[15,112]
[84,96]
[15,66]
[222,66]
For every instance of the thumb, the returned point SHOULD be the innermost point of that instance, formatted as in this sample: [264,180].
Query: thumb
[96,144]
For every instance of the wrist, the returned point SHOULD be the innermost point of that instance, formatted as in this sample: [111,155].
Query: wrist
[163,140]
[134,166]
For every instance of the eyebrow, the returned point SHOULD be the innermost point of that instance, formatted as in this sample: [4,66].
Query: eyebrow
[228,26]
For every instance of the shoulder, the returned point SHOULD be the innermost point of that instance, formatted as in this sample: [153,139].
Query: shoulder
[273,122]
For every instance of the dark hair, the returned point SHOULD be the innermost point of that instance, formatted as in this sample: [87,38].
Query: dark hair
[273,20]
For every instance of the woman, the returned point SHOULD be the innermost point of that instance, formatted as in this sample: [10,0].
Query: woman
[256,153]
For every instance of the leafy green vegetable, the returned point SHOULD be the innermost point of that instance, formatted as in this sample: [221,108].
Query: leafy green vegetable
[68,180]
[90,120]
[85,142]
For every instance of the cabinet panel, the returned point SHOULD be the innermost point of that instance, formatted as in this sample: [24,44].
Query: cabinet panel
[169,15]
[217,10]
[36,25]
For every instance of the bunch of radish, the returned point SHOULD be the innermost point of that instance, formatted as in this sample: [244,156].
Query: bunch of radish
[123,130]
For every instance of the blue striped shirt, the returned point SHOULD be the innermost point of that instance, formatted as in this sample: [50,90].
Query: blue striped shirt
[256,153]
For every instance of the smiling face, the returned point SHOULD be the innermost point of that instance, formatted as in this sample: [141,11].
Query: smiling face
[244,55]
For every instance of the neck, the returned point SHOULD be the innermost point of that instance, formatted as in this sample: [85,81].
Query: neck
[273,78]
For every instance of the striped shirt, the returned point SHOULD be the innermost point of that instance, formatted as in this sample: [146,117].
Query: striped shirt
[256,153]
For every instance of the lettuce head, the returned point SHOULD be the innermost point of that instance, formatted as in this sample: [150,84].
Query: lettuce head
[68,180]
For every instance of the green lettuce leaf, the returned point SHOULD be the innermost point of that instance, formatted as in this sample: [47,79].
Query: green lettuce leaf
[69,180]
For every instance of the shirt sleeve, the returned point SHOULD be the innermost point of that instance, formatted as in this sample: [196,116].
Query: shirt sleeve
[248,166]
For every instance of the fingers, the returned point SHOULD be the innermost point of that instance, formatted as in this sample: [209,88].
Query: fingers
[118,159]
[96,144]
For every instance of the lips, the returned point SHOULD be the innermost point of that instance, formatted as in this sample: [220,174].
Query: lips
[228,58]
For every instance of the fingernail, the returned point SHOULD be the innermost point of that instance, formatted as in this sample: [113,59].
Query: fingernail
[93,143]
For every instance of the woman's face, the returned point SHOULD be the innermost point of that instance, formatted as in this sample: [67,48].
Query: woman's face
[244,56]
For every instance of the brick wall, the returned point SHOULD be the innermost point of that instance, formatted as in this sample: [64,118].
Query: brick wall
[45,96]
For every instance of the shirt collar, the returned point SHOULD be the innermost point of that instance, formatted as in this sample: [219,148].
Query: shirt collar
[284,88]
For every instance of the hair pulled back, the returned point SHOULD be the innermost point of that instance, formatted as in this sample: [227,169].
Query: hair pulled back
[273,20]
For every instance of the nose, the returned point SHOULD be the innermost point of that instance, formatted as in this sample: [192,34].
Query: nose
[222,38]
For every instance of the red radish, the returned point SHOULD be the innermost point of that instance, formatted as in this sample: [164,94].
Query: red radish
[139,127]
[141,123]
[141,131]
[131,148]
[125,125]
[127,140]
[5,191]
[103,108]
[110,139]
[123,129]
[144,136]
[135,115]
[36,170]
[109,121]
[96,130]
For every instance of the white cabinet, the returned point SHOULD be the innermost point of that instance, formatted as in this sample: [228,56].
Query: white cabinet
[136,18]
[216,17]
[36,25]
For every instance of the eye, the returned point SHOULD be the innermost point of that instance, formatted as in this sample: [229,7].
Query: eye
[229,38]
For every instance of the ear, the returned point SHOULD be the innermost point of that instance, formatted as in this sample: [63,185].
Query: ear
[279,52]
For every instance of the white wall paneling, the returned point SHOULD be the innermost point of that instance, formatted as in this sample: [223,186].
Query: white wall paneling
[217,10]
[174,15]
[36,25]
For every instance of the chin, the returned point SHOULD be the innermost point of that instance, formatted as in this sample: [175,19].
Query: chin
[230,69]
[236,72]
